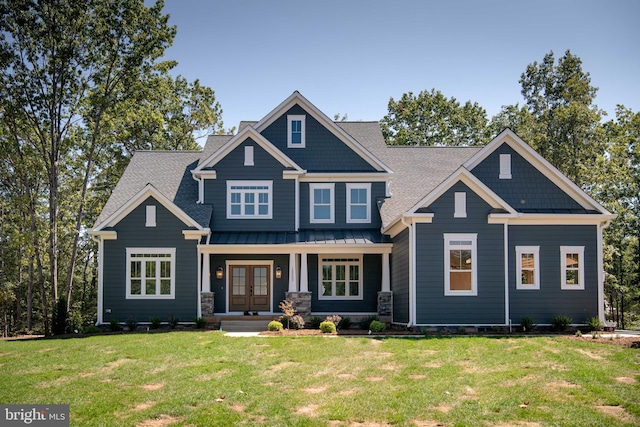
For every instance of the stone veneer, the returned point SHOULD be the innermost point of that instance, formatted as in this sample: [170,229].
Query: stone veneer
[301,301]
[385,305]
[206,303]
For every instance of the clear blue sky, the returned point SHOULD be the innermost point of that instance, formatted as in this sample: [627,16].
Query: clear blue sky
[350,57]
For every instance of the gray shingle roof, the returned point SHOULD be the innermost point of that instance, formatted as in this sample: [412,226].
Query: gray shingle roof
[213,144]
[170,173]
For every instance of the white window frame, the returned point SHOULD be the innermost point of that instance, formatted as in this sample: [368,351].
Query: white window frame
[248,155]
[150,212]
[460,205]
[290,120]
[134,254]
[448,245]
[243,204]
[521,250]
[347,261]
[564,251]
[505,166]
[332,204]
[359,186]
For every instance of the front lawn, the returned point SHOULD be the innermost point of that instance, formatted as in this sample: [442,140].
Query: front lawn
[204,378]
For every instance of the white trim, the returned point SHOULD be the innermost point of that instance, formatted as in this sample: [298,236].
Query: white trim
[152,251]
[297,203]
[521,250]
[505,166]
[460,204]
[473,247]
[386,276]
[507,307]
[256,192]
[248,155]
[195,234]
[332,204]
[299,248]
[150,216]
[296,118]
[601,273]
[334,261]
[564,250]
[345,177]
[304,273]
[549,219]
[100,241]
[359,186]
[249,262]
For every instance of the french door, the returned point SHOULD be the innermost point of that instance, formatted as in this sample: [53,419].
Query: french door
[249,288]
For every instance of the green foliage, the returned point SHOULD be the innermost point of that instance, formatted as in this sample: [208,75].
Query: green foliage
[114,325]
[274,325]
[294,322]
[59,320]
[155,322]
[335,319]
[173,321]
[595,324]
[200,323]
[366,322]
[328,327]
[527,324]
[344,324]
[132,324]
[314,322]
[91,329]
[560,323]
[377,326]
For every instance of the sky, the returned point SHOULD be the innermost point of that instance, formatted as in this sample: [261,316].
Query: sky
[351,56]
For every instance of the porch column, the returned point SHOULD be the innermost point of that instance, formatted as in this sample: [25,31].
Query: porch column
[206,273]
[293,279]
[304,279]
[385,296]
[386,281]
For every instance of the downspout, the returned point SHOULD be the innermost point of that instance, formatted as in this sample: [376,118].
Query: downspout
[100,242]
[599,247]
[412,273]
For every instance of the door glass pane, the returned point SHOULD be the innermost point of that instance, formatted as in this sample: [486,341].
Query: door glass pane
[238,280]
[260,281]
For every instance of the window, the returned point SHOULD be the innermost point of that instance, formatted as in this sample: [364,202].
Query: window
[460,209]
[321,203]
[248,155]
[359,203]
[151,273]
[572,267]
[249,199]
[340,278]
[460,265]
[150,216]
[527,267]
[295,131]
[505,166]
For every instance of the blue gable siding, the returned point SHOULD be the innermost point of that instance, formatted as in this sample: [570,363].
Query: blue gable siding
[340,204]
[132,233]
[324,152]
[265,168]
[550,300]
[400,277]
[433,307]
[528,189]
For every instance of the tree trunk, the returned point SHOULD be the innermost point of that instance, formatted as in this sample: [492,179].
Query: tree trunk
[30,295]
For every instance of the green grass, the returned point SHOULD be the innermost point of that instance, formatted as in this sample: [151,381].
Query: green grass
[156,379]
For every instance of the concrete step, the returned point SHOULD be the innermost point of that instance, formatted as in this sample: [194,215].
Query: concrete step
[252,325]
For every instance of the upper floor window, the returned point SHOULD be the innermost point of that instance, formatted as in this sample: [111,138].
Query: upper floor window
[249,200]
[460,265]
[527,267]
[572,267]
[295,131]
[321,209]
[359,203]
[150,273]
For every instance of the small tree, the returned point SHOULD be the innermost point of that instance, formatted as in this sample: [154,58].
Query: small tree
[287,309]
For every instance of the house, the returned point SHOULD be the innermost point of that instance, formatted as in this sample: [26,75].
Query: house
[323,213]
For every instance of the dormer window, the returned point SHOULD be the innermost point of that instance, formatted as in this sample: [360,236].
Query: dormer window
[295,131]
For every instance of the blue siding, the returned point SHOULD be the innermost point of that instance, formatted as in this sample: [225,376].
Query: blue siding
[550,300]
[433,307]
[340,204]
[400,277]
[372,283]
[265,168]
[528,189]
[324,152]
[132,233]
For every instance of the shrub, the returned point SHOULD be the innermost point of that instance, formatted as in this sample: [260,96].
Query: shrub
[335,319]
[366,322]
[173,322]
[293,322]
[595,324]
[201,323]
[314,322]
[132,324]
[527,324]
[59,317]
[560,323]
[274,325]
[155,322]
[327,327]
[345,323]
[91,329]
[114,325]
[377,326]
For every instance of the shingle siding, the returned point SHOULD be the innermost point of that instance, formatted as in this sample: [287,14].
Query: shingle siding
[433,307]
[550,300]
[400,277]
[132,233]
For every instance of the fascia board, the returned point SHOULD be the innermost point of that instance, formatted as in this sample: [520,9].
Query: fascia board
[297,98]
[303,248]
[104,234]
[551,219]
[351,177]
[135,201]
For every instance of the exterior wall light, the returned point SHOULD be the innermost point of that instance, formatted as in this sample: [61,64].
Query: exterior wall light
[219,273]
[278,272]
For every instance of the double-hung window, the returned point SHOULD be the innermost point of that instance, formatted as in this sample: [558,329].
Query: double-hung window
[572,267]
[321,208]
[296,131]
[340,278]
[358,203]
[249,199]
[151,273]
[527,267]
[460,265]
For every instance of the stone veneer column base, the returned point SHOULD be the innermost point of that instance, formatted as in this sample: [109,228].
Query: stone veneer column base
[206,303]
[385,306]
[301,301]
